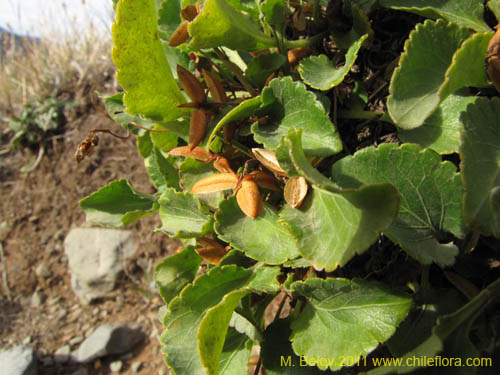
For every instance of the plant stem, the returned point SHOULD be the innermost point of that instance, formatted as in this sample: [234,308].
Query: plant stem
[237,145]
[366,115]
[236,71]
[289,44]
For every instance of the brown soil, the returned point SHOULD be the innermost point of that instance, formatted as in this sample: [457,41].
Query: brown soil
[40,208]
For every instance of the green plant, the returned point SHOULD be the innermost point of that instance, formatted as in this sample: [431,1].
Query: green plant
[311,282]
[35,124]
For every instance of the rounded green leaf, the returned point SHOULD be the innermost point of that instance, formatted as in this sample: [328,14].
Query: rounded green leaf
[334,224]
[219,24]
[480,154]
[106,206]
[466,69]
[262,66]
[143,69]
[345,319]
[175,272]
[330,228]
[441,131]
[295,107]
[467,14]
[430,190]
[415,84]
[319,73]
[262,238]
[182,216]
[187,311]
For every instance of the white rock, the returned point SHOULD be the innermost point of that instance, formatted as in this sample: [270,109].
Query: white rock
[108,339]
[95,258]
[116,366]
[19,360]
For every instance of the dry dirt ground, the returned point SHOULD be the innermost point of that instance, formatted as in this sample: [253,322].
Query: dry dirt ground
[40,208]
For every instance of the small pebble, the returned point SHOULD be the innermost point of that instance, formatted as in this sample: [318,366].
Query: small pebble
[54,301]
[116,366]
[75,340]
[42,270]
[4,230]
[95,311]
[37,298]
[27,340]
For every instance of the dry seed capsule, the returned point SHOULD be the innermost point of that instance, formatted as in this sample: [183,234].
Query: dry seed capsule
[189,13]
[215,183]
[268,159]
[215,87]
[197,128]
[193,87]
[249,199]
[180,35]
[212,251]
[295,191]
[493,59]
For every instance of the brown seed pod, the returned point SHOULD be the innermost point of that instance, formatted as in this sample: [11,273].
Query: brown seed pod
[197,127]
[193,87]
[197,153]
[190,12]
[297,54]
[249,199]
[180,35]
[265,180]
[493,59]
[295,191]
[215,87]
[215,183]
[222,165]
[268,159]
[211,250]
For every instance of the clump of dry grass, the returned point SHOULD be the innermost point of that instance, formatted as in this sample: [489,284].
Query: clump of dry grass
[72,65]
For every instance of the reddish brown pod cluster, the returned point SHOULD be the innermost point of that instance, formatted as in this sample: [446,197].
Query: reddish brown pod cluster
[181,34]
[246,185]
[203,110]
[493,59]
